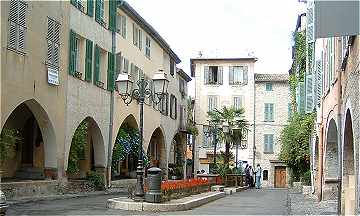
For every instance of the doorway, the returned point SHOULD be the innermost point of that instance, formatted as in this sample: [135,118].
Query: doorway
[280,177]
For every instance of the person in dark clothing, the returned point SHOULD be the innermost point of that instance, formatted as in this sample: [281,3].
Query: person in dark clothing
[247,175]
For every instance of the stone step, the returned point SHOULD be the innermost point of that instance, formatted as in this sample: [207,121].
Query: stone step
[30,173]
[219,188]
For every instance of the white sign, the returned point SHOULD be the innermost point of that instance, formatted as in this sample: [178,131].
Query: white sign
[53,76]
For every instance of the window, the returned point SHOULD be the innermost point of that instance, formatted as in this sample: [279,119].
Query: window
[213,75]
[172,67]
[125,65]
[269,112]
[173,107]
[238,75]
[182,87]
[268,143]
[164,109]
[77,54]
[78,4]
[53,41]
[238,102]
[121,25]
[212,102]
[17,25]
[207,140]
[147,48]
[137,36]
[268,87]
[265,175]
[99,11]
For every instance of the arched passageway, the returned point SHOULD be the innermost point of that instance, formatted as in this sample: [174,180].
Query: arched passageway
[125,150]
[87,151]
[28,144]
[349,179]
[156,151]
[176,158]
[331,163]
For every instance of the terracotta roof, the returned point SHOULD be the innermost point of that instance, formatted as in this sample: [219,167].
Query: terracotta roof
[271,77]
[148,28]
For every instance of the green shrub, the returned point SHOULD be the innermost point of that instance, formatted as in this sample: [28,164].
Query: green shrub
[96,180]
[306,178]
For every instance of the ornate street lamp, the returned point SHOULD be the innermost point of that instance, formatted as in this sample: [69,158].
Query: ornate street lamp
[127,92]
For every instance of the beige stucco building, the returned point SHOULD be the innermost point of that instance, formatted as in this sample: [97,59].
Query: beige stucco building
[222,82]
[272,111]
[60,61]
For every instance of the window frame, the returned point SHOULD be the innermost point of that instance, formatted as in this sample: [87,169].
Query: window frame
[17,20]
[147,47]
[267,112]
[267,145]
[268,86]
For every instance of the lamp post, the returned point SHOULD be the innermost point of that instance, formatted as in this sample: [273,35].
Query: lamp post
[238,135]
[127,92]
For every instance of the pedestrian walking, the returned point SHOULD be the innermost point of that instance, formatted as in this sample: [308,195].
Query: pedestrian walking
[258,173]
[247,175]
[252,182]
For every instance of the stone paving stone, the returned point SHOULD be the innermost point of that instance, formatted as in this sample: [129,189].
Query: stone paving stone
[300,204]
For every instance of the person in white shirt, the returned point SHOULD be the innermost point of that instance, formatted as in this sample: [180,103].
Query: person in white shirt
[258,172]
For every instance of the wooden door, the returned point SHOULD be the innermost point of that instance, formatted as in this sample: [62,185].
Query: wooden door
[280,177]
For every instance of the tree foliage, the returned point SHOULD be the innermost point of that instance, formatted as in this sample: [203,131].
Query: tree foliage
[295,144]
[78,145]
[127,143]
[235,119]
[9,138]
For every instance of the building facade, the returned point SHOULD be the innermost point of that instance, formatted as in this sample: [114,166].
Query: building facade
[272,111]
[221,82]
[60,61]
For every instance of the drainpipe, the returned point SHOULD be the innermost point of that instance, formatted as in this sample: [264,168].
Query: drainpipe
[113,50]
[339,144]
[254,147]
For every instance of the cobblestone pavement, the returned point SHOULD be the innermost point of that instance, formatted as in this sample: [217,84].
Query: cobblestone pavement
[300,204]
[250,202]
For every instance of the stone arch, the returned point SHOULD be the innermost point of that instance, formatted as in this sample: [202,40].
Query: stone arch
[331,162]
[38,135]
[349,179]
[94,155]
[156,150]
[176,157]
[127,167]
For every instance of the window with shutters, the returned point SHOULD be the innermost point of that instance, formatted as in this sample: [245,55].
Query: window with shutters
[53,43]
[182,87]
[79,4]
[309,93]
[238,103]
[268,143]
[268,87]
[148,47]
[137,36]
[121,25]
[77,54]
[269,112]
[238,75]
[208,141]
[213,75]
[173,107]
[212,103]
[88,60]
[164,109]
[172,67]
[125,68]
[99,12]
[17,25]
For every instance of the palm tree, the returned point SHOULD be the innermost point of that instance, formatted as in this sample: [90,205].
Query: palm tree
[235,119]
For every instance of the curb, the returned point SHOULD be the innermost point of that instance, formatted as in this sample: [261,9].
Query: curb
[61,197]
[175,205]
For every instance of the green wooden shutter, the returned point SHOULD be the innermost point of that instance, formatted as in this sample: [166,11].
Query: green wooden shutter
[97,10]
[88,60]
[72,54]
[271,142]
[96,65]
[90,8]
[110,75]
[266,112]
[271,107]
[220,75]
[112,15]
[73,2]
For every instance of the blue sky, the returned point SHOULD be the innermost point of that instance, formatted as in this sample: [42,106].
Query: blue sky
[226,28]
